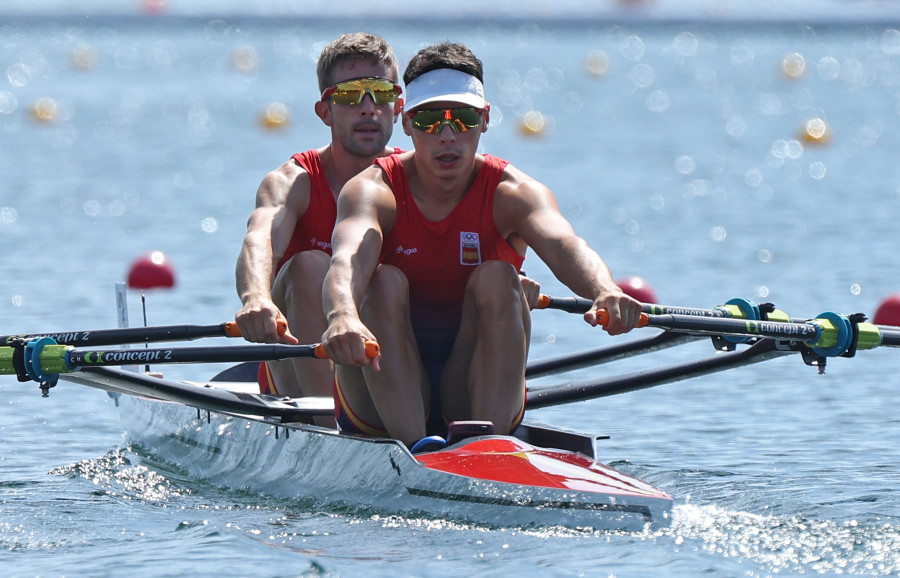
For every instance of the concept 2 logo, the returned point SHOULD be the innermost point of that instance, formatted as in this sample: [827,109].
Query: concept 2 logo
[112,357]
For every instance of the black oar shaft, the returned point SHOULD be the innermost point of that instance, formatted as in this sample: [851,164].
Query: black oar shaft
[93,358]
[890,337]
[608,353]
[589,389]
[581,305]
[102,337]
[725,325]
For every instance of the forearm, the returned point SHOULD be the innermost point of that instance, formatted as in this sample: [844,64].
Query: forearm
[587,274]
[337,295]
[582,270]
[570,258]
[344,287]
[254,268]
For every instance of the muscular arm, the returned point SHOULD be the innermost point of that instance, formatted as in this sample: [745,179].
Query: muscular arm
[526,211]
[366,211]
[281,199]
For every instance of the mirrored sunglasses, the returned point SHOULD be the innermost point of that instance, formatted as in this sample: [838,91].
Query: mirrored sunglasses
[351,92]
[458,119]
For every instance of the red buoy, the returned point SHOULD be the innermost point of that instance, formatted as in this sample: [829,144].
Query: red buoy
[637,288]
[888,312]
[151,271]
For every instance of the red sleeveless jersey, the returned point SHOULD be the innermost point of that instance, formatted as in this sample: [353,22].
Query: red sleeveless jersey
[314,228]
[438,257]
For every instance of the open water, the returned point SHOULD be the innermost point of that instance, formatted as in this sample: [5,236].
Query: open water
[676,148]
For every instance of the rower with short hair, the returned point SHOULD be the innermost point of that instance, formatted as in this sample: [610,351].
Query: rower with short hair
[427,249]
[287,246]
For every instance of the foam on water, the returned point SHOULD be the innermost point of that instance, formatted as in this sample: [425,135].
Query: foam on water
[777,544]
[790,544]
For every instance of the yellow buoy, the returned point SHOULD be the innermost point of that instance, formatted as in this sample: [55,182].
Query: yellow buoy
[793,65]
[44,109]
[275,116]
[533,123]
[816,131]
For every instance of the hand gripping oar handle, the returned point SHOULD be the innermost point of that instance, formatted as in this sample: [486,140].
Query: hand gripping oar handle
[828,335]
[734,308]
[44,359]
[739,308]
[101,337]
[603,318]
[230,328]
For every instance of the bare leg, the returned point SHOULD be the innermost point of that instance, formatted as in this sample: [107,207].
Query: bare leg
[484,375]
[394,398]
[297,291]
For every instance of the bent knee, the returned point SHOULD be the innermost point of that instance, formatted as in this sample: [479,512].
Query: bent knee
[494,280]
[494,271]
[306,263]
[305,268]
[300,279]
[388,286]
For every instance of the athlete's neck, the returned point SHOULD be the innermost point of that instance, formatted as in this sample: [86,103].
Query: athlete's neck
[340,165]
[438,194]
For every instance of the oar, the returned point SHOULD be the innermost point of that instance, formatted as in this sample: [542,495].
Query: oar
[101,337]
[735,308]
[547,396]
[605,354]
[829,334]
[43,359]
[739,308]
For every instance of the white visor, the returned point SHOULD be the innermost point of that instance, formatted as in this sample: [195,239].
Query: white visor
[445,85]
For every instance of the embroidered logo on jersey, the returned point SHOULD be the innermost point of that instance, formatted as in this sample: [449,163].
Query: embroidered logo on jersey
[469,249]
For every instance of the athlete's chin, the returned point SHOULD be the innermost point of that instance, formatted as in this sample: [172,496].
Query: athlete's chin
[366,147]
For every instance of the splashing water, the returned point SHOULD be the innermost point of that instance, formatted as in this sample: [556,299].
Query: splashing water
[789,544]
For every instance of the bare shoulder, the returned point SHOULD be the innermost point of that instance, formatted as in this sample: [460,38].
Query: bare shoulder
[287,185]
[525,210]
[369,184]
[368,196]
[518,189]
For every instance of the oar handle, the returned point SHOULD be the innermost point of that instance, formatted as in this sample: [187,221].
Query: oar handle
[372,349]
[568,304]
[231,329]
[603,318]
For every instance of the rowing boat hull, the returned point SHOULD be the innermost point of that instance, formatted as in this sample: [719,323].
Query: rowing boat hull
[494,480]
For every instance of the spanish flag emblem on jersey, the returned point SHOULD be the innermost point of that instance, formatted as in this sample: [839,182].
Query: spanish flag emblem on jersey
[469,249]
